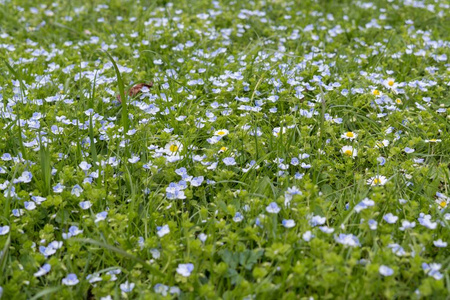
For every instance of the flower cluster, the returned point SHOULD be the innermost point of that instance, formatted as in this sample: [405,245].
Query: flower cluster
[224,149]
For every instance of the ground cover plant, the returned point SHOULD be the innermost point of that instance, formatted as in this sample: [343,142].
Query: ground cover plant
[273,149]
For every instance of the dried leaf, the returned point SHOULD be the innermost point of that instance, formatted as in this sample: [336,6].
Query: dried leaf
[136,89]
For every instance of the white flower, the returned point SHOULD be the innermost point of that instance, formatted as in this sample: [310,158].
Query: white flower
[377,180]
[162,231]
[349,151]
[377,93]
[349,135]
[382,144]
[185,269]
[173,148]
[221,132]
[390,83]
[385,270]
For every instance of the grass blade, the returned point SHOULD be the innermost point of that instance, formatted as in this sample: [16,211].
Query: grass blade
[122,94]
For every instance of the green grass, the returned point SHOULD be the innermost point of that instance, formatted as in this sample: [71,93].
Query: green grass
[147,199]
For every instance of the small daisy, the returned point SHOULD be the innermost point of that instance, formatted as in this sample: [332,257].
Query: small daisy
[349,135]
[377,180]
[223,149]
[349,151]
[433,141]
[221,132]
[390,83]
[382,144]
[173,148]
[377,93]
[442,202]
[277,131]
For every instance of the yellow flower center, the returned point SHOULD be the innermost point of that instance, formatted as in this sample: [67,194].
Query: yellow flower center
[350,134]
[433,140]
[173,148]
[376,92]
[398,100]
[443,204]
[376,181]
[391,82]
[223,149]
[348,152]
[221,132]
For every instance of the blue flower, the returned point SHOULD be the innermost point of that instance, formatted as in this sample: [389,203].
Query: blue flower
[229,161]
[127,287]
[197,181]
[273,208]
[70,280]
[238,217]
[101,216]
[185,270]
[385,270]
[288,223]
[77,190]
[43,270]
[85,204]
[58,188]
